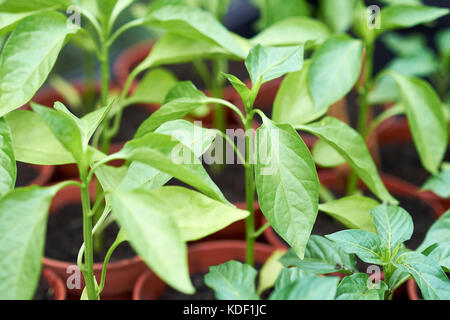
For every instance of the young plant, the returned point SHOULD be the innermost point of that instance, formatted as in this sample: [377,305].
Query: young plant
[382,245]
[156,220]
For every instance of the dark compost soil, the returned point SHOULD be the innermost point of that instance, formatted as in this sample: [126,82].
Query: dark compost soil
[44,291]
[25,174]
[65,236]
[132,118]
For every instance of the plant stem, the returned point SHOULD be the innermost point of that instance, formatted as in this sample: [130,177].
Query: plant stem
[249,193]
[88,270]
[363,109]
[219,66]
[105,75]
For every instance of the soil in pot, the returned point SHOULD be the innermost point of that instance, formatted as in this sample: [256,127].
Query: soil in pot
[44,290]
[65,236]
[26,174]
[133,116]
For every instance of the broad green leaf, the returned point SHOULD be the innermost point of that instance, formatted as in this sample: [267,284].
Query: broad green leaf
[232,281]
[321,256]
[23,221]
[173,48]
[426,118]
[172,157]
[65,129]
[432,281]
[293,31]
[8,20]
[438,233]
[196,215]
[366,245]
[268,63]
[153,88]
[110,179]
[394,226]
[308,288]
[334,70]
[196,138]
[352,211]
[26,5]
[287,183]
[293,103]
[271,12]
[28,57]
[182,99]
[326,156]
[218,8]
[153,233]
[398,16]
[8,169]
[33,140]
[358,286]
[288,276]
[195,23]
[441,254]
[353,149]
[439,184]
[270,271]
[420,64]
[338,14]
[404,45]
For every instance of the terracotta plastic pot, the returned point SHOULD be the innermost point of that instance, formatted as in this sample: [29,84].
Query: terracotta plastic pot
[332,180]
[56,284]
[412,289]
[121,275]
[201,257]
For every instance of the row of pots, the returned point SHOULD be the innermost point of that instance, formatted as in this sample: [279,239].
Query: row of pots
[131,274]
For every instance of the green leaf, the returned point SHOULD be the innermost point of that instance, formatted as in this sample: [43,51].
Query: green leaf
[352,211]
[326,156]
[443,42]
[351,146]
[271,12]
[153,88]
[170,156]
[33,140]
[195,23]
[182,99]
[398,16]
[8,167]
[404,45]
[358,286]
[438,232]
[196,215]
[394,226]
[293,103]
[426,118]
[196,138]
[338,14]
[308,288]
[65,129]
[366,245]
[270,271]
[268,63]
[430,278]
[321,256]
[232,281]
[247,95]
[288,276]
[26,5]
[23,221]
[439,184]
[293,31]
[173,48]
[334,70]
[28,57]
[286,182]
[153,233]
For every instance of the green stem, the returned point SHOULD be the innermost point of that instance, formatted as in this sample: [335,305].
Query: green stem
[249,193]
[88,270]
[113,247]
[363,109]
[105,75]
[219,66]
